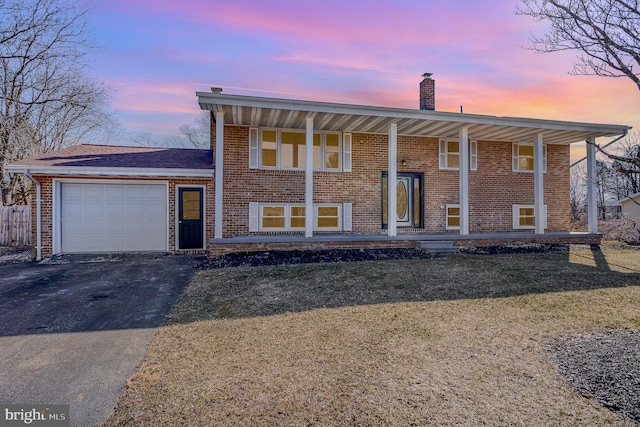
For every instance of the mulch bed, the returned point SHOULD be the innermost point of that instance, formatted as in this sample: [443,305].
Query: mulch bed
[603,366]
[259,258]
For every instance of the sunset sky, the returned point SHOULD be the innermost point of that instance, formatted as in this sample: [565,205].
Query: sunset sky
[157,53]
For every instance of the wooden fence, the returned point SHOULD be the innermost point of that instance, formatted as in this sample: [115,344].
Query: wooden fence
[15,225]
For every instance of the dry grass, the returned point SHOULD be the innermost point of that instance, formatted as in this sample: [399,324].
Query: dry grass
[235,354]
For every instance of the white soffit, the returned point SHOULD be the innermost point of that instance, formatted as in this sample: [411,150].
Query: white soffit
[285,113]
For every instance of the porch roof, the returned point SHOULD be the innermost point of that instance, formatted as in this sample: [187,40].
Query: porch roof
[287,113]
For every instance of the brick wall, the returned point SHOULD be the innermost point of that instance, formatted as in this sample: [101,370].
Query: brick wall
[46,183]
[493,188]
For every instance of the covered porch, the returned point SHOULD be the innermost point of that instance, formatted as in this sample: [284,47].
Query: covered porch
[308,117]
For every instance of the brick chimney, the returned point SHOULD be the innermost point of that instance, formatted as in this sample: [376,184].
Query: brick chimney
[427,92]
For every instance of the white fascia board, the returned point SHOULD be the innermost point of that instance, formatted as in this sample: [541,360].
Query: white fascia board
[216,101]
[97,171]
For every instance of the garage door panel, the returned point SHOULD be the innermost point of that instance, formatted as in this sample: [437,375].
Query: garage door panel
[93,208]
[73,209]
[136,192]
[94,191]
[155,227]
[113,226]
[115,191]
[158,193]
[115,209]
[136,209]
[73,227]
[74,191]
[113,217]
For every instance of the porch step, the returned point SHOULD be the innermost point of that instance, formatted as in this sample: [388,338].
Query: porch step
[438,246]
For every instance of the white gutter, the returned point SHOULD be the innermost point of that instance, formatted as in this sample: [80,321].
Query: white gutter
[98,171]
[607,145]
[215,101]
[38,215]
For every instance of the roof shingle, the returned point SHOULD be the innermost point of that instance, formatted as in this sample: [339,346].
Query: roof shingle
[110,156]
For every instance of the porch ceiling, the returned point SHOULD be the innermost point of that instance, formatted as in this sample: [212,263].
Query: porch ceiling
[291,114]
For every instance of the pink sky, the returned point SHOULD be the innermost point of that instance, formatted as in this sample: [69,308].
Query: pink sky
[157,54]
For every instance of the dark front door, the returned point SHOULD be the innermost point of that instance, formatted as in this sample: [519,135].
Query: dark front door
[190,225]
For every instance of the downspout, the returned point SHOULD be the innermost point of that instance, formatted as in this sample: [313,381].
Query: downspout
[625,132]
[38,216]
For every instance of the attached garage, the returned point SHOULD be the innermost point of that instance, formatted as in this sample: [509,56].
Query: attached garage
[112,217]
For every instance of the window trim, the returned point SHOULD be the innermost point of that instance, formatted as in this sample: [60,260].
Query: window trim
[516,217]
[255,150]
[316,216]
[443,147]
[287,216]
[256,215]
[515,157]
[447,216]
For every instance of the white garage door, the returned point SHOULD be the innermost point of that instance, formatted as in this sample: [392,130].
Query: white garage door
[113,217]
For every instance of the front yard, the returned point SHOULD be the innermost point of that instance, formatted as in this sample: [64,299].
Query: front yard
[455,340]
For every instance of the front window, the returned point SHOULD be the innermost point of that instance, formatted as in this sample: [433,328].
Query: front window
[273,217]
[291,217]
[269,149]
[328,217]
[292,150]
[297,217]
[449,154]
[453,217]
[286,149]
[523,158]
[524,217]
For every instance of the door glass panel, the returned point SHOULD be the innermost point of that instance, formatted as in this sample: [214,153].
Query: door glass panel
[385,211]
[401,197]
[416,203]
[191,205]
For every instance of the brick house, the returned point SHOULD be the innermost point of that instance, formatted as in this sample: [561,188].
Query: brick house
[286,174]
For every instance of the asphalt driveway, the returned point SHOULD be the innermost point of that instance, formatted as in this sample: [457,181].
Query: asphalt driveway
[72,331]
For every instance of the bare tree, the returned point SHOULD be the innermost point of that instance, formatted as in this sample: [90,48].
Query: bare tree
[626,159]
[198,133]
[47,101]
[606,33]
[578,196]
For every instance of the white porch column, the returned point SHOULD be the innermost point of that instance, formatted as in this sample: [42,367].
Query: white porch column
[464,181]
[219,173]
[592,191]
[538,183]
[392,180]
[308,180]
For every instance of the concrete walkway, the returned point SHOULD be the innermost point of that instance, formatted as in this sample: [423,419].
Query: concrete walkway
[73,331]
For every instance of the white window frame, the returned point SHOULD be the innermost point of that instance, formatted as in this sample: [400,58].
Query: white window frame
[443,154]
[516,217]
[287,216]
[256,209]
[317,206]
[255,150]
[446,219]
[515,154]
